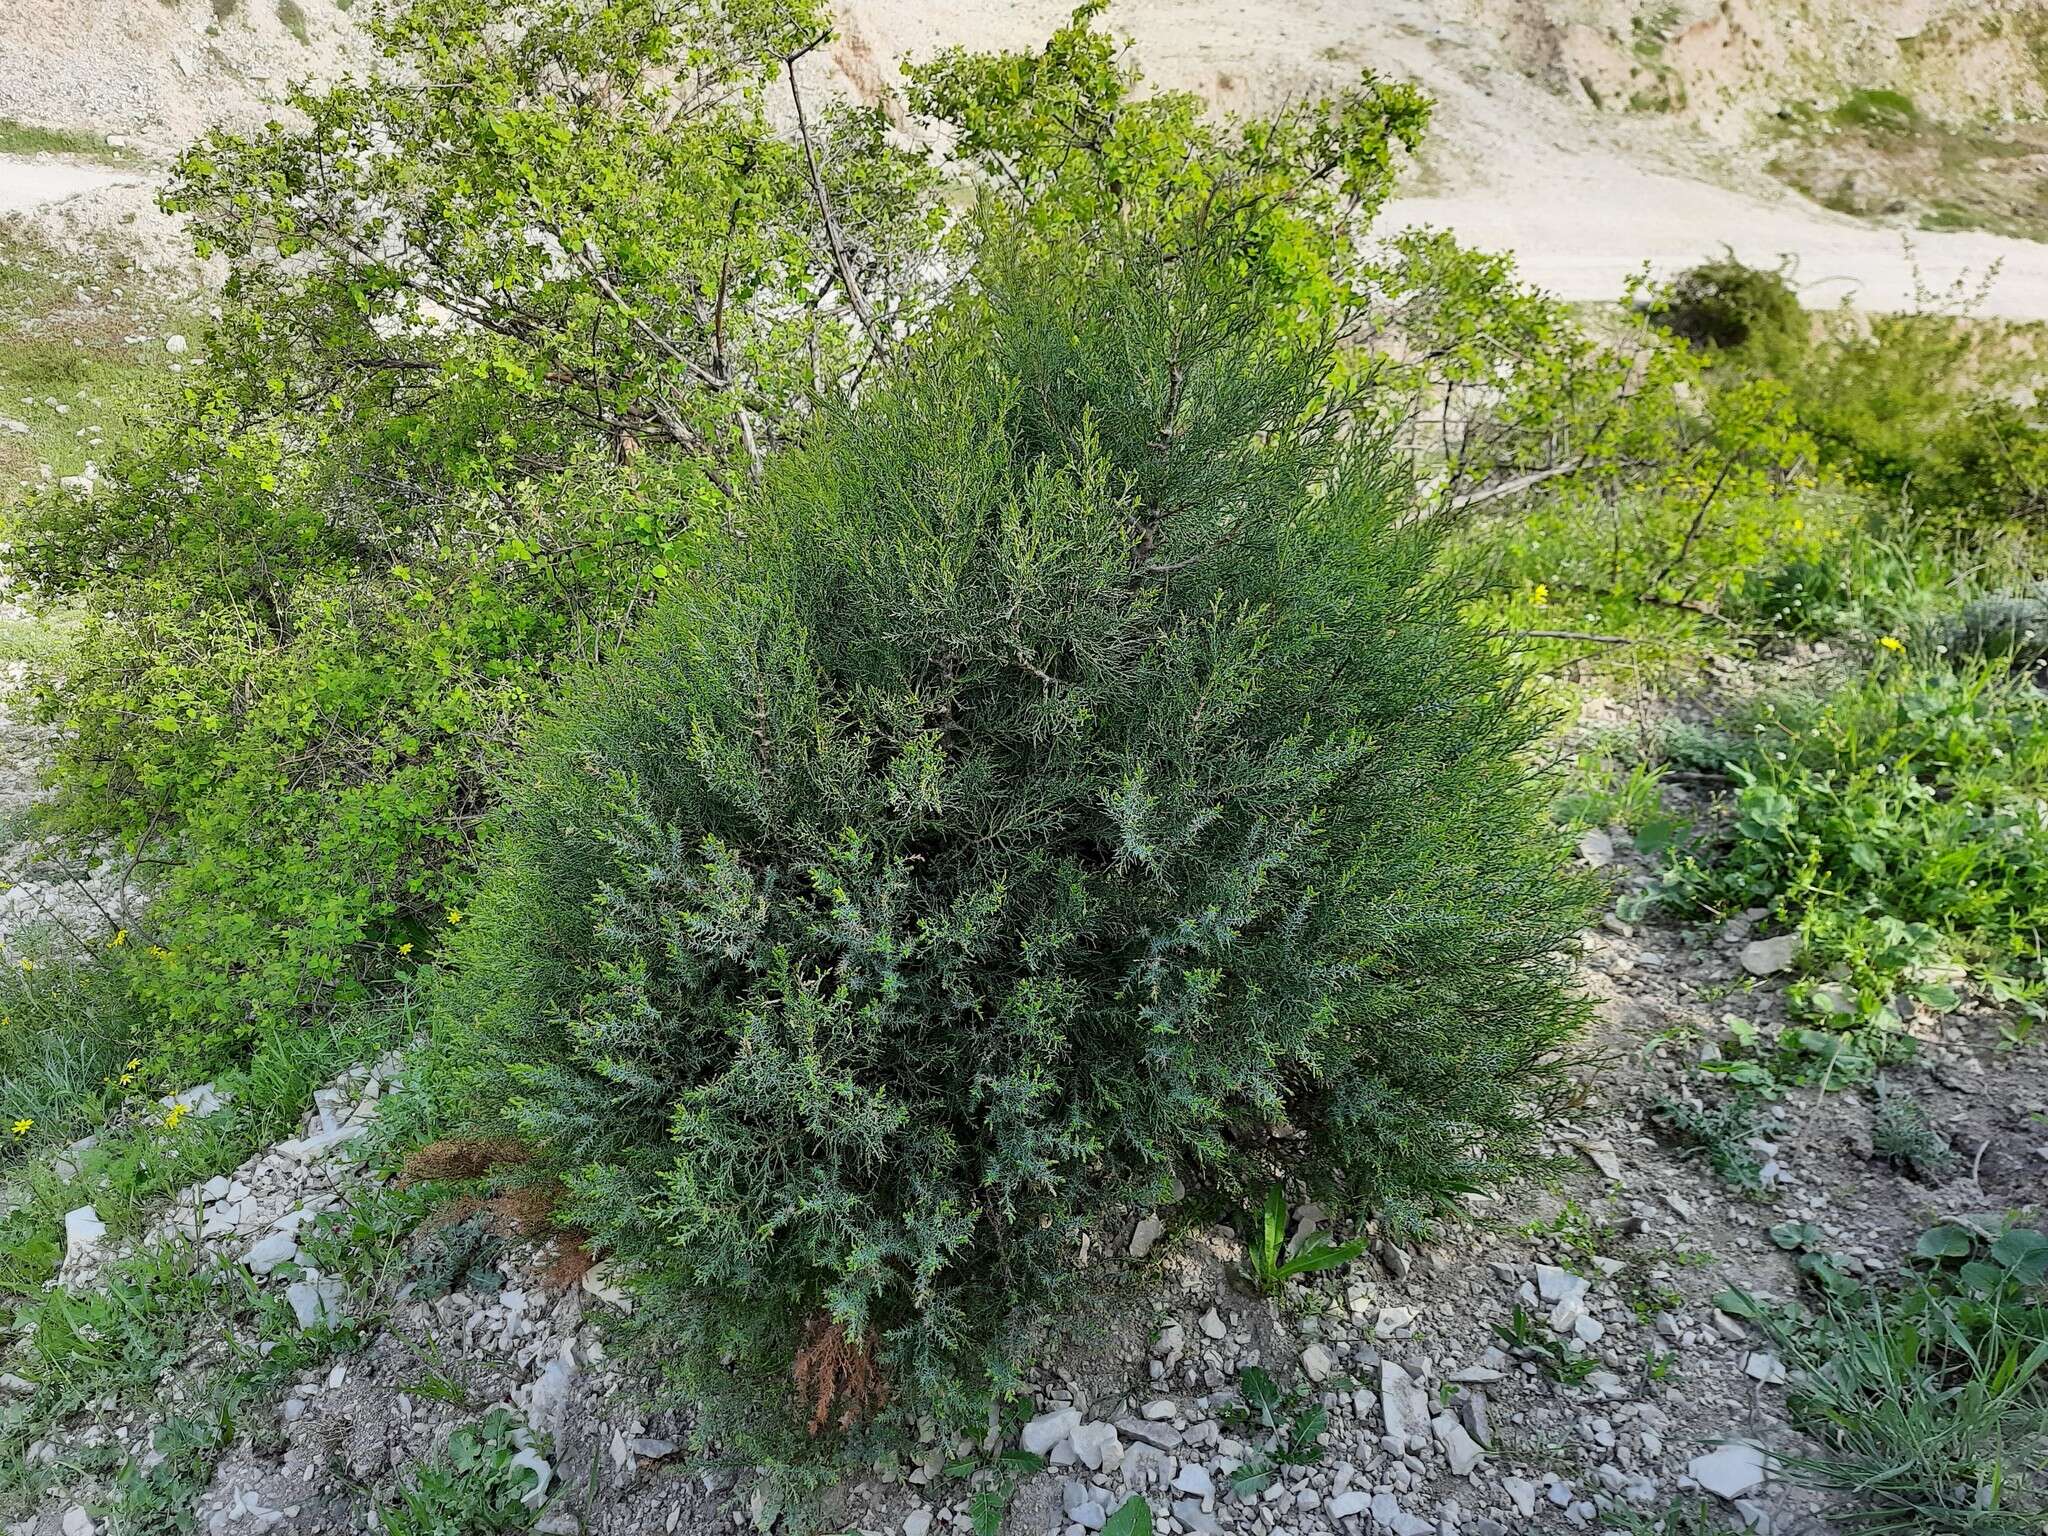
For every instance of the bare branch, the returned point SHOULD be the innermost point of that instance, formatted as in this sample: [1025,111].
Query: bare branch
[1518,484]
[1573,634]
[847,281]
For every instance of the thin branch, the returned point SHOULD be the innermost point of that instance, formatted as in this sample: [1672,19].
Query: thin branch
[690,365]
[1699,518]
[839,259]
[1519,483]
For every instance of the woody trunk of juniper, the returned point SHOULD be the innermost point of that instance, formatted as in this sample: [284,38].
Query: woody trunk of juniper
[1072,775]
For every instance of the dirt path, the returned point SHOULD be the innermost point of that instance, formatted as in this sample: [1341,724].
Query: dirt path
[29,185]
[1584,199]
[1582,233]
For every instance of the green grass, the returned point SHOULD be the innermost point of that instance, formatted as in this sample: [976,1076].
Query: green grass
[1881,109]
[174,1312]
[1606,790]
[1876,156]
[66,371]
[1929,1399]
[171,1311]
[1567,580]
[68,1035]
[35,639]
[19,138]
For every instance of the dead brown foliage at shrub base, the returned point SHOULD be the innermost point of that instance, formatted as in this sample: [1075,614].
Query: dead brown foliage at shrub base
[829,1370]
[462,1157]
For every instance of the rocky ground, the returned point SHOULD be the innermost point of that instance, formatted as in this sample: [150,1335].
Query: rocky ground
[1561,1362]
[63,900]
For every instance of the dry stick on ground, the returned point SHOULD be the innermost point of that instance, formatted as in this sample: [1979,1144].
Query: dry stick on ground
[847,280]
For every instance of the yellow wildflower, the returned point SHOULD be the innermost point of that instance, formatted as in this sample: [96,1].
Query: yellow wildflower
[120,937]
[23,1126]
[178,1112]
[127,1079]
[1540,598]
[406,948]
[131,1064]
[1891,643]
[26,966]
[455,914]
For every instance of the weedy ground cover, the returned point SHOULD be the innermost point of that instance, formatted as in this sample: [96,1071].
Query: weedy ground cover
[1894,821]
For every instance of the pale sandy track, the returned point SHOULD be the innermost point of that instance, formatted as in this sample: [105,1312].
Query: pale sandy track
[1582,199]
[1581,239]
[28,185]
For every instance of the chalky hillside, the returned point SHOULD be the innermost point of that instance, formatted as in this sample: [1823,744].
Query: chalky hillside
[1273,769]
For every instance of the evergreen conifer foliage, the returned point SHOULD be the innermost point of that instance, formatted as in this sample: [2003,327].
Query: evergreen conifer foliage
[1073,777]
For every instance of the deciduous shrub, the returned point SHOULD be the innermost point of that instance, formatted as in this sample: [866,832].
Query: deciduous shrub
[1926,407]
[1074,778]
[1605,474]
[513,318]
[503,320]
[1724,303]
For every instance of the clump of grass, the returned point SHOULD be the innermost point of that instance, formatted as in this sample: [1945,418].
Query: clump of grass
[19,138]
[67,1034]
[71,1066]
[294,20]
[1929,1400]
[1903,1136]
[1886,111]
[1604,790]
[1682,1517]
[2007,626]
[62,345]
[1652,27]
